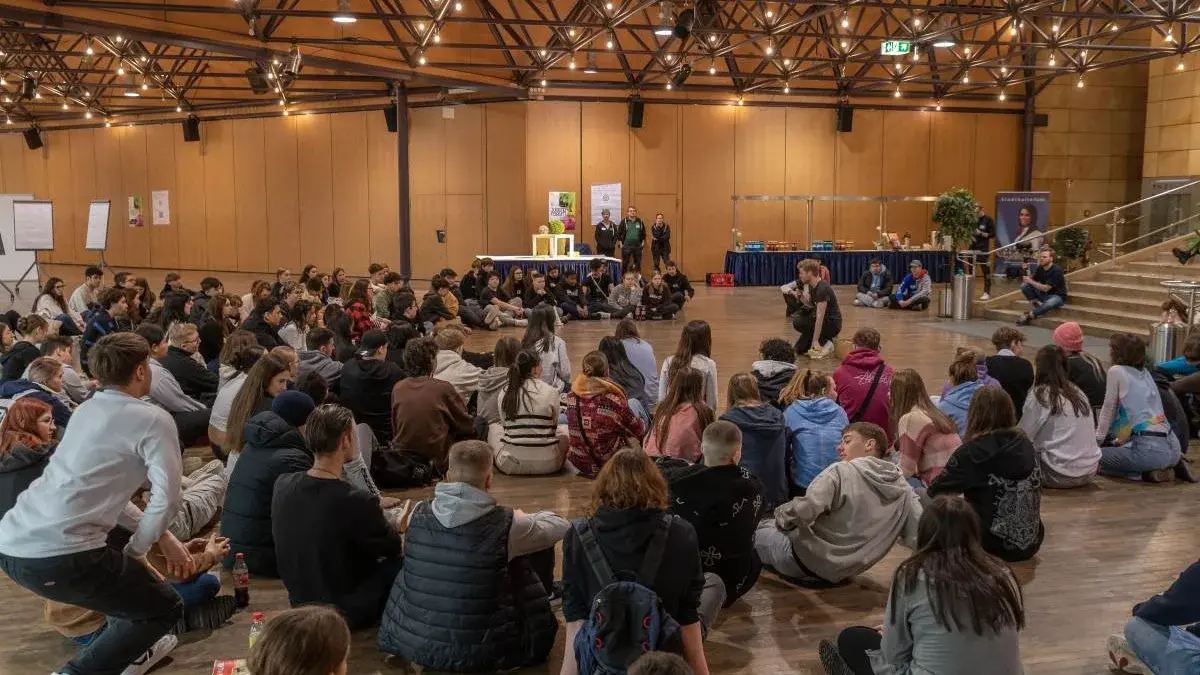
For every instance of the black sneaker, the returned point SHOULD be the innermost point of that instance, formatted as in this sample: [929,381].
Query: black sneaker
[1181,255]
[210,614]
[832,660]
[1183,471]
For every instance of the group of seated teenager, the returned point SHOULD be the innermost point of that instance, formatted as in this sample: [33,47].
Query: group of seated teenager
[808,475]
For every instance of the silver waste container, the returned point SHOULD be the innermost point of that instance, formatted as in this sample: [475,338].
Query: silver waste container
[963,289]
[1166,341]
[945,302]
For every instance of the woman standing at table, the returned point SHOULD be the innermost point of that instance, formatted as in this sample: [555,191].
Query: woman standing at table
[660,241]
[606,235]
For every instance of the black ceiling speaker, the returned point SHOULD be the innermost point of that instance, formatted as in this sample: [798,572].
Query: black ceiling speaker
[257,79]
[684,24]
[680,76]
[33,138]
[844,118]
[389,114]
[191,129]
[637,107]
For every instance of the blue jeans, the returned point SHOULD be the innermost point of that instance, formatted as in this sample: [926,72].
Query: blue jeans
[139,608]
[199,590]
[1140,454]
[68,327]
[1049,302]
[1167,650]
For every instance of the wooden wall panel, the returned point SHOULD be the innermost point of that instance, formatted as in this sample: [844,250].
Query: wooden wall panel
[464,230]
[427,152]
[220,195]
[314,153]
[811,169]
[656,151]
[12,164]
[859,172]
[160,158]
[707,183]
[250,194]
[352,245]
[190,203]
[383,192]
[906,144]
[428,216]
[997,156]
[83,177]
[60,189]
[108,184]
[759,169]
[953,152]
[606,158]
[552,157]
[506,168]
[464,150]
[282,193]
[135,181]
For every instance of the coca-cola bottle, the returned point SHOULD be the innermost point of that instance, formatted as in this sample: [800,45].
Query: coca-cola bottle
[241,581]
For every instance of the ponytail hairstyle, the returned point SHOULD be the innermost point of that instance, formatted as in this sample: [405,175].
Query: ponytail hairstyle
[743,390]
[963,369]
[520,372]
[595,364]
[30,324]
[695,340]
[1051,386]
[686,387]
[539,334]
[806,385]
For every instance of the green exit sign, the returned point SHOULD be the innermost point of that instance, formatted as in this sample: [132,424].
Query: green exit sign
[895,47]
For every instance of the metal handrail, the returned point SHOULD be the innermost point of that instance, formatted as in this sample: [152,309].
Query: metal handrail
[1103,214]
[1164,227]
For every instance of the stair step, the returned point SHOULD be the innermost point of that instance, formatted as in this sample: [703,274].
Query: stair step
[1118,290]
[1097,328]
[1142,278]
[1131,321]
[1109,299]
[1162,270]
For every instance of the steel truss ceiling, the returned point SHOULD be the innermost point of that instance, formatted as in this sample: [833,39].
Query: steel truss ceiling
[151,56]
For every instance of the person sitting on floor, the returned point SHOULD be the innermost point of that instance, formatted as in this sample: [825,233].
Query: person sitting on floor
[1046,289]
[537,294]
[628,532]
[965,381]
[723,502]
[34,330]
[996,470]
[62,349]
[815,422]
[681,418]
[597,286]
[491,382]
[433,307]
[274,447]
[694,350]
[550,348]
[332,542]
[308,640]
[925,436]
[264,322]
[194,378]
[599,419]
[367,383]
[1058,420]
[428,415]
[531,443]
[952,608]
[483,568]
[572,299]
[498,305]
[1163,637]
[657,298]
[27,440]
[625,298]
[820,321]
[640,353]
[1135,438]
[864,381]
[764,437]
[677,281]
[318,358]
[191,416]
[775,369]
[847,520]
[103,321]
[1187,363]
[916,289]
[452,367]
[874,286]
[1010,370]
[268,378]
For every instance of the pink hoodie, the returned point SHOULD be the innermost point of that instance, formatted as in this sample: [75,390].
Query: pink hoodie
[853,379]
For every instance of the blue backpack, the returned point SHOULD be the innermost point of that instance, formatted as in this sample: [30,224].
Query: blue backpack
[627,617]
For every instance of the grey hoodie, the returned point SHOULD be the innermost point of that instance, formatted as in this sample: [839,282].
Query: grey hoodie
[491,382]
[456,504]
[850,516]
[318,362]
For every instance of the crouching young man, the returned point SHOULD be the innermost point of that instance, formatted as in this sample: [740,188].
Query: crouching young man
[480,567]
[849,518]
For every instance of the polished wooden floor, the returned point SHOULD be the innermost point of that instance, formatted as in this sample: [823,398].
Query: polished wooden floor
[1107,547]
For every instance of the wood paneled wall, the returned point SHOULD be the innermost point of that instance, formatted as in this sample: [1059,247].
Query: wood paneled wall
[252,195]
[262,193]
[686,162]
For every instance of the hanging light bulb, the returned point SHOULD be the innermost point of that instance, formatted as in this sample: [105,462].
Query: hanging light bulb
[670,58]
[145,85]
[90,51]
[937,105]
[571,65]
[3,82]
[458,6]
[270,75]
[542,52]
[1003,70]
[609,44]
[1179,66]
[421,57]
[118,39]
[844,44]
[37,95]
[1054,29]
[1012,30]
[966,78]
[787,89]
[145,58]
[8,120]
[87,94]
[608,6]
[916,55]
[787,63]
[1079,82]
[668,86]
[88,114]
[898,67]
[967,52]
[543,81]
[344,14]
[571,32]
[420,26]
[1114,27]
[178,108]
[1001,97]
[896,93]
[286,112]
[845,20]
[66,106]
[740,100]
[120,70]
[437,37]
[107,123]
[282,102]
[770,14]
[769,49]
[712,68]
[712,38]
[1051,59]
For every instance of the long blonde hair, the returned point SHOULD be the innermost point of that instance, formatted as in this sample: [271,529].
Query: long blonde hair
[908,394]
[806,384]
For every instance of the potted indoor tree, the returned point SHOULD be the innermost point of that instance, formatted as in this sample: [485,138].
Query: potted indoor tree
[956,218]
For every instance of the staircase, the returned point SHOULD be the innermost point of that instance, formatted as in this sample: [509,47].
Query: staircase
[1108,298]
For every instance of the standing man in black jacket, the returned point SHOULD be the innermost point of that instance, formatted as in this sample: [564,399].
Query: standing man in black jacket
[631,237]
[606,235]
[984,233]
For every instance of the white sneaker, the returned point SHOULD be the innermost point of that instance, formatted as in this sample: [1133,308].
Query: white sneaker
[604,315]
[1123,658]
[856,302]
[165,645]
[985,297]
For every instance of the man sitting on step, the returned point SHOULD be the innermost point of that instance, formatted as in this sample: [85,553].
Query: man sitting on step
[1046,290]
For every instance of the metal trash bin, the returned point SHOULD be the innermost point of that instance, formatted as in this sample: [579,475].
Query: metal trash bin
[962,290]
[1166,341]
[945,302]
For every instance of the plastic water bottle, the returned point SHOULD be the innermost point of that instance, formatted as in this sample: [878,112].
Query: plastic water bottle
[241,581]
[257,620]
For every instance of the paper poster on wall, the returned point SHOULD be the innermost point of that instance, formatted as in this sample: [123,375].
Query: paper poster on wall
[1020,216]
[160,207]
[606,196]
[135,212]
[562,207]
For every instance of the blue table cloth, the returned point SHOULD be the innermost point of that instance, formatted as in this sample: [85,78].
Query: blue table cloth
[775,268]
[580,265]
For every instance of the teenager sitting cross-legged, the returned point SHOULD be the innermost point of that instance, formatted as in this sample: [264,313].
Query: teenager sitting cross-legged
[640,353]
[1058,420]
[681,418]
[491,382]
[694,350]
[194,377]
[952,608]
[1132,426]
[847,520]
[333,544]
[965,382]
[1014,373]
[925,436]
[452,367]
[531,443]
[599,419]
[764,437]
[1162,637]
[366,382]
[775,369]
[428,415]
[815,422]
[723,502]
[550,348]
[485,569]
[191,416]
[864,380]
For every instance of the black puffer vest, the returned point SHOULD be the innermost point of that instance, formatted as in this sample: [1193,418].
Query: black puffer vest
[460,605]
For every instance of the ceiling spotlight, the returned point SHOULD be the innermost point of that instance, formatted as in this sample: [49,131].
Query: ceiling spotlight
[680,76]
[670,58]
[282,102]
[37,94]
[571,65]
[916,55]
[966,78]
[145,85]
[145,58]
[131,93]
[543,81]
[421,26]
[1012,29]
[608,6]
[712,68]
[3,82]
[344,13]
[107,123]
[896,94]
[66,106]
[88,114]
[8,120]
[270,75]
[120,70]
[541,52]
[944,43]
[609,44]
[7,99]
[966,51]
[421,57]
[1179,66]
[87,94]
[90,51]
[1079,82]
[178,108]
[787,63]
[1052,60]
[937,105]
[1169,37]
[712,39]
[293,65]
[458,6]
[668,86]
[286,112]
[118,39]
[916,22]
[664,27]
[1003,70]
[1001,97]
[1054,29]
[1114,28]
[437,37]
[740,100]
[770,48]
[770,14]
[590,66]
[786,88]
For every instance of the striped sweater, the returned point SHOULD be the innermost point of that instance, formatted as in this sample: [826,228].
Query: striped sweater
[923,451]
[530,443]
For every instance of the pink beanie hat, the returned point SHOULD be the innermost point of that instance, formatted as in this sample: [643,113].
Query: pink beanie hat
[1069,336]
